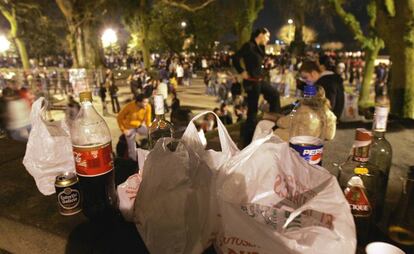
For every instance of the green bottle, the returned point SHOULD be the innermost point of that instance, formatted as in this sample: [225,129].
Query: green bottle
[381,152]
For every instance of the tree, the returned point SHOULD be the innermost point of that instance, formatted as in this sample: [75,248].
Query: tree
[395,25]
[297,10]
[13,11]
[83,18]
[370,42]
[246,14]
[139,20]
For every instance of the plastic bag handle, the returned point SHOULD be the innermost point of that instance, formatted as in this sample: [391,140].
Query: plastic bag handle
[226,142]
[38,108]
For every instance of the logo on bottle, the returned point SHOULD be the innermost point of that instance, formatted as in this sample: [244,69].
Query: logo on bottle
[69,198]
[93,160]
[357,198]
[309,148]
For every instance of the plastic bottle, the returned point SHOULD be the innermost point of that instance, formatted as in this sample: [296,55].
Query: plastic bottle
[92,149]
[307,126]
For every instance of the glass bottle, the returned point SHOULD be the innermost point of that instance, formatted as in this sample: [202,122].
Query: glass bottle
[401,228]
[160,128]
[92,149]
[307,125]
[381,151]
[358,178]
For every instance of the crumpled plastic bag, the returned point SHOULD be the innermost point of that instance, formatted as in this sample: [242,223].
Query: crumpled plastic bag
[176,208]
[271,200]
[49,149]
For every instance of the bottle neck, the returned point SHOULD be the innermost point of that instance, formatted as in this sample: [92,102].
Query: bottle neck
[379,134]
[361,154]
[159,116]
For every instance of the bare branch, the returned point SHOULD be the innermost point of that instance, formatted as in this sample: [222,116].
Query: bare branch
[187,7]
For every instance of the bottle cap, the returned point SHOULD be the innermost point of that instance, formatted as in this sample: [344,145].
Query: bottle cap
[85,96]
[362,134]
[309,90]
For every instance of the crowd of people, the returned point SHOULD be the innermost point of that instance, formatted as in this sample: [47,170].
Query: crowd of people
[281,76]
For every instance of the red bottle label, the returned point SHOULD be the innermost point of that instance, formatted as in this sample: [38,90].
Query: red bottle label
[358,201]
[93,160]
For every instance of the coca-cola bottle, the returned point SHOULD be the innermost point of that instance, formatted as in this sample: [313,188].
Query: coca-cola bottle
[91,141]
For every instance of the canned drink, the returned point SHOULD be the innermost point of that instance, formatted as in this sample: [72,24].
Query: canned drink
[309,148]
[68,193]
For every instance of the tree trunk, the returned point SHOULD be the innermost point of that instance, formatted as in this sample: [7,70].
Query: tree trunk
[145,47]
[402,80]
[72,47]
[369,68]
[80,47]
[21,47]
[298,45]
[93,46]
[244,35]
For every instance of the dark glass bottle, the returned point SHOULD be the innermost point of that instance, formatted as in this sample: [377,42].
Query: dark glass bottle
[381,152]
[160,128]
[401,227]
[92,149]
[358,179]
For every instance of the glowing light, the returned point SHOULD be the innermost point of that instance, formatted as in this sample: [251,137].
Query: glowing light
[109,37]
[4,44]
[290,21]
[183,24]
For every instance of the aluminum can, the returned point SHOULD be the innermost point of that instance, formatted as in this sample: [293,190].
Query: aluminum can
[68,193]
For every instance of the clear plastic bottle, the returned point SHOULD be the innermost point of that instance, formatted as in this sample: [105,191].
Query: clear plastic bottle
[160,128]
[307,126]
[92,149]
[381,150]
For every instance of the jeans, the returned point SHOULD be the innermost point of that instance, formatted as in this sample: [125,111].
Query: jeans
[253,90]
[130,138]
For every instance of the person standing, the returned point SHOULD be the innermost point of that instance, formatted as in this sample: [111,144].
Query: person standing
[252,53]
[113,91]
[133,119]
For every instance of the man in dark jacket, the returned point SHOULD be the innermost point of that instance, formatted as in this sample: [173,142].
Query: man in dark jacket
[252,53]
[332,83]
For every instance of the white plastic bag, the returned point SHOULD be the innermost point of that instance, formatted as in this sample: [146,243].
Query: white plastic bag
[127,191]
[175,209]
[273,201]
[48,150]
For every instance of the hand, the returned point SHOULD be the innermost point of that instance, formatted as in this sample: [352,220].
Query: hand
[245,75]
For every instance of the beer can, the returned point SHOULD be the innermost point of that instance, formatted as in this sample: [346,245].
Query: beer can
[68,193]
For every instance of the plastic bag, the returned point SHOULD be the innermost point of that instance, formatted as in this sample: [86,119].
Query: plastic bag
[175,209]
[127,191]
[271,200]
[48,150]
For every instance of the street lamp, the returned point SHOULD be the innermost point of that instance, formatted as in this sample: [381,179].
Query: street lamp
[290,21]
[109,37]
[4,44]
[183,24]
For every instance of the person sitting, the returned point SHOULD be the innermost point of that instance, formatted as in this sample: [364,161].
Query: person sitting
[135,118]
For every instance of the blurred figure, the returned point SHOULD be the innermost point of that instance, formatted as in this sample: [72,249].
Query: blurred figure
[16,115]
[72,110]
